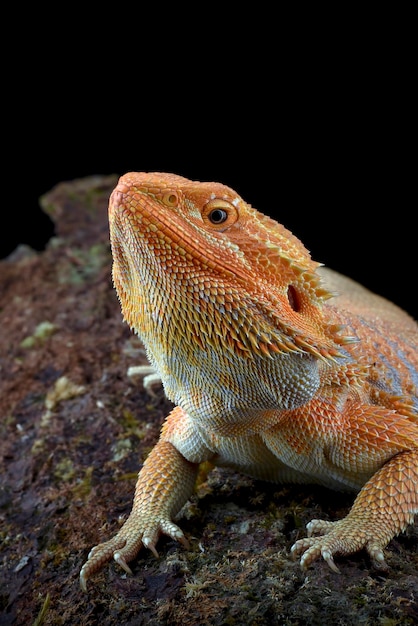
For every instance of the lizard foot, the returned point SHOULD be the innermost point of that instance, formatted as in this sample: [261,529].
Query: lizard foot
[150,377]
[341,537]
[125,546]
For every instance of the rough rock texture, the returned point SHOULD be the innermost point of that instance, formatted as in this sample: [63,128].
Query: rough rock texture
[74,429]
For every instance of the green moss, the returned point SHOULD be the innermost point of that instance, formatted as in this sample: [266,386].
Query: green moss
[39,336]
[64,470]
[42,613]
[128,476]
[121,448]
[129,422]
[273,514]
[83,488]
[86,264]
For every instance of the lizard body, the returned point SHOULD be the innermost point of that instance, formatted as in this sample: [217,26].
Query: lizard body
[270,374]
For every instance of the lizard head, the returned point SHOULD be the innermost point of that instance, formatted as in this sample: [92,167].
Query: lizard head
[195,255]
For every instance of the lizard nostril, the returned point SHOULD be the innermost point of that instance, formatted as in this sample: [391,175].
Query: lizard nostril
[293,298]
[171,199]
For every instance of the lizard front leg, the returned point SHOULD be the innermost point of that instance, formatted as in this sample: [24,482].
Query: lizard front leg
[383,508]
[164,484]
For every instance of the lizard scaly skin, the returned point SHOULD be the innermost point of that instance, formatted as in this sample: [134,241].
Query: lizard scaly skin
[270,374]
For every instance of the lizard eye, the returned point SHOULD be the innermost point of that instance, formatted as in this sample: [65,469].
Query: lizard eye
[219,214]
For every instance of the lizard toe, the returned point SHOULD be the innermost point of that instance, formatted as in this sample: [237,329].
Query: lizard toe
[165,527]
[313,548]
[300,547]
[327,556]
[342,537]
[117,556]
[319,527]
[128,551]
[97,557]
[377,557]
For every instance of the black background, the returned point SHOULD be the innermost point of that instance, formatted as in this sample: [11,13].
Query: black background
[321,141]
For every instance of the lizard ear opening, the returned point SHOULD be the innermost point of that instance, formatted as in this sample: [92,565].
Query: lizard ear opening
[293,298]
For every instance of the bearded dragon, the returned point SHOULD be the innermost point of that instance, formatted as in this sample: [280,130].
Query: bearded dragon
[271,373]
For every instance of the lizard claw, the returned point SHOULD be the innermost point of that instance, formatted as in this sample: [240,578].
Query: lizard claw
[125,546]
[311,549]
[148,543]
[119,548]
[171,530]
[341,537]
[121,561]
[327,556]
